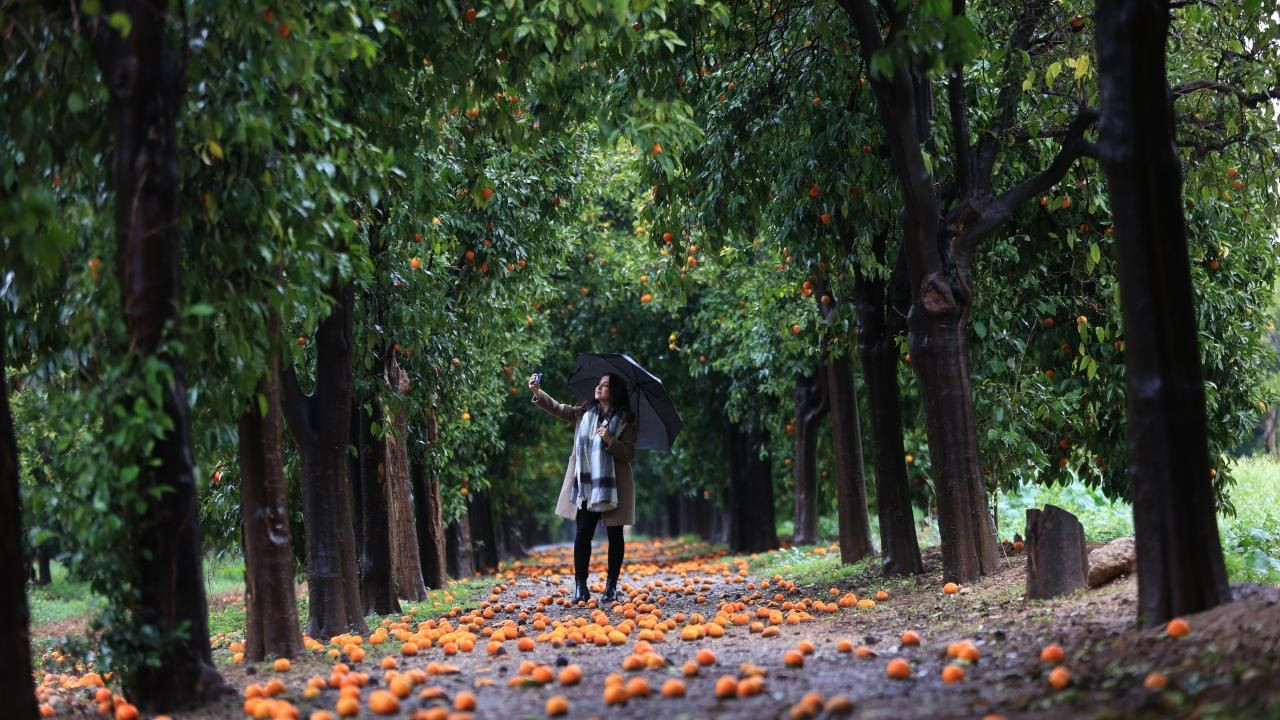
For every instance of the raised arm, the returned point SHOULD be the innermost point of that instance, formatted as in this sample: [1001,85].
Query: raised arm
[568,413]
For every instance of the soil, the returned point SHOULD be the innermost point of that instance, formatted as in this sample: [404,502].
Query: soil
[1226,667]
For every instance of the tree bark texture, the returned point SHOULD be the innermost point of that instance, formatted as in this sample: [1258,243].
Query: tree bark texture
[752,525]
[16,684]
[1057,560]
[1180,564]
[146,80]
[406,565]
[812,404]
[938,310]
[377,592]
[431,535]
[851,483]
[320,424]
[938,355]
[484,540]
[877,319]
[458,548]
[271,607]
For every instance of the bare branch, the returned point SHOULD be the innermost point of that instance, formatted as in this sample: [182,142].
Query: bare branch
[1248,99]
[972,223]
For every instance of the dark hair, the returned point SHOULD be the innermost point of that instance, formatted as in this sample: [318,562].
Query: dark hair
[618,402]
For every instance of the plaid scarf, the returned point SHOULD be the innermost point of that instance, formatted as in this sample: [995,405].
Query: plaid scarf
[597,486]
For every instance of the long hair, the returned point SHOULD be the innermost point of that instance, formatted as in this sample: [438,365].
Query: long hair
[618,403]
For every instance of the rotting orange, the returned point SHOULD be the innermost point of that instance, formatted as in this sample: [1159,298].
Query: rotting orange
[1059,678]
[1052,653]
[898,669]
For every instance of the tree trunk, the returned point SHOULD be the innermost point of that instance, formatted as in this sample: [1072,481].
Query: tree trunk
[458,548]
[851,483]
[899,548]
[938,309]
[749,505]
[431,536]
[1180,564]
[938,355]
[16,685]
[406,565]
[1057,560]
[377,592]
[44,573]
[812,404]
[146,81]
[1269,431]
[271,607]
[320,424]
[484,541]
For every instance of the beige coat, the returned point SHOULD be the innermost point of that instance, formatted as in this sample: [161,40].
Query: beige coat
[622,449]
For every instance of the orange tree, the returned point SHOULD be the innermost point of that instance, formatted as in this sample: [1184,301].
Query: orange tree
[317,176]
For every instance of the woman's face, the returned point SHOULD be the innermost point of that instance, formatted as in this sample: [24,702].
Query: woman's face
[602,390]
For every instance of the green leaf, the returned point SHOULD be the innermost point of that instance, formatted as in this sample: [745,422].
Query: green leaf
[215,149]
[199,310]
[121,23]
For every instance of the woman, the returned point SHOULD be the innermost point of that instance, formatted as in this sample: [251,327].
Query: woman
[597,484]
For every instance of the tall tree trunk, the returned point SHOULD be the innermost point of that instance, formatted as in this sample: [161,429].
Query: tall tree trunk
[377,592]
[899,548]
[752,525]
[16,684]
[938,311]
[812,404]
[320,424]
[271,607]
[406,565]
[851,483]
[146,80]
[458,548]
[938,355]
[484,541]
[431,535]
[1180,565]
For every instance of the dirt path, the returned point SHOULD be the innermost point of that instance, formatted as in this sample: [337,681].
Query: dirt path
[1226,667]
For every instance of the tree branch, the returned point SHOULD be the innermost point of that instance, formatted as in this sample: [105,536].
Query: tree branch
[1248,99]
[998,211]
[1007,105]
[295,405]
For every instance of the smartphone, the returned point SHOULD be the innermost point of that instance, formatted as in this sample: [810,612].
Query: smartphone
[537,379]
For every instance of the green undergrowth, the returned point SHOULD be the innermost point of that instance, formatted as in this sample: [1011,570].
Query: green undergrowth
[1250,536]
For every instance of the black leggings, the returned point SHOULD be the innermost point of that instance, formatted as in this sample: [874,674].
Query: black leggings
[582,545]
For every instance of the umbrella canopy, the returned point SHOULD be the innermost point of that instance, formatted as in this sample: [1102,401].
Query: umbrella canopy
[656,416]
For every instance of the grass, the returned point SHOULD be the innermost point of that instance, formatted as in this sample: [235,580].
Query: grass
[60,600]
[1250,537]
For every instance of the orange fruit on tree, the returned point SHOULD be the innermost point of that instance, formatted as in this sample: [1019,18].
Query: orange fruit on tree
[415,263]
[1177,628]
[795,329]
[898,669]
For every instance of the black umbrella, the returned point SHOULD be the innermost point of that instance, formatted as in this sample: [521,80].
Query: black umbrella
[656,416]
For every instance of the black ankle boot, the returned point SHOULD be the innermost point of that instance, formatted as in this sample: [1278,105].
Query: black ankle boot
[583,594]
[610,592]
